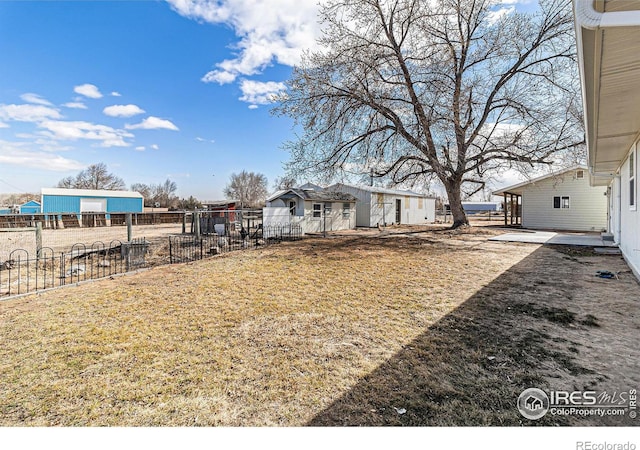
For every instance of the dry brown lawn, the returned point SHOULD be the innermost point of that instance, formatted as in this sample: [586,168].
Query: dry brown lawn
[349,330]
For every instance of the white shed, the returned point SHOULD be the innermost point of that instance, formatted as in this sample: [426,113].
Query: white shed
[315,209]
[380,206]
[561,201]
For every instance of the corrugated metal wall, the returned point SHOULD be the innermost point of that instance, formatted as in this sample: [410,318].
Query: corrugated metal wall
[117,204]
[71,204]
[60,204]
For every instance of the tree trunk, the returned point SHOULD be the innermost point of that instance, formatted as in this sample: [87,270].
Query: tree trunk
[455,203]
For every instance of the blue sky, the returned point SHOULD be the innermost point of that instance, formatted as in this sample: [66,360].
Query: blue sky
[154,89]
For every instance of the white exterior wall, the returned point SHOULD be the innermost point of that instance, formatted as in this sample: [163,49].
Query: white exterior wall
[279,215]
[625,219]
[416,215]
[375,208]
[333,221]
[587,205]
[383,209]
[363,205]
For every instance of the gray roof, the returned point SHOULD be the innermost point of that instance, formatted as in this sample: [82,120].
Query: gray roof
[380,190]
[323,195]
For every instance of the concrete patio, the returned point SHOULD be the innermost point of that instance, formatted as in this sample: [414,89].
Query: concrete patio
[553,238]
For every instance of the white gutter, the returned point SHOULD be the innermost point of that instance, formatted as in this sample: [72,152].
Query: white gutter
[588,17]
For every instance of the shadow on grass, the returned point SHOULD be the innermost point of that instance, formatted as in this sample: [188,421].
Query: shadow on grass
[470,367]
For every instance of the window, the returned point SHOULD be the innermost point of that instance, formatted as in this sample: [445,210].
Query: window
[346,210]
[632,180]
[580,174]
[420,203]
[317,210]
[327,208]
[292,208]
[561,202]
[380,198]
[407,202]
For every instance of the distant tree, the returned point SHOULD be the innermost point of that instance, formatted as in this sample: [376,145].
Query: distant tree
[248,187]
[96,176]
[145,191]
[189,204]
[284,182]
[162,194]
[18,199]
[165,193]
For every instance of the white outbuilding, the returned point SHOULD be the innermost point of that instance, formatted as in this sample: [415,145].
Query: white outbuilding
[380,206]
[560,201]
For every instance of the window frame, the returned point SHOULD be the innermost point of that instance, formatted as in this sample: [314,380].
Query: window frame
[346,210]
[292,207]
[315,210]
[559,202]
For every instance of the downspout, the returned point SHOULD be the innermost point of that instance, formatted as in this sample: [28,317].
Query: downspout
[618,184]
[588,17]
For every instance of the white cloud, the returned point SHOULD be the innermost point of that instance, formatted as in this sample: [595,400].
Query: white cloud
[140,148]
[269,31]
[153,123]
[253,106]
[88,90]
[75,105]
[155,147]
[260,93]
[35,99]
[72,131]
[200,139]
[19,154]
[28,113]
[116,94]
[123,110]
[495,16]
[3,125]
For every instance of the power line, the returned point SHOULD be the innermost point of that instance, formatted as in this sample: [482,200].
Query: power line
[12,186]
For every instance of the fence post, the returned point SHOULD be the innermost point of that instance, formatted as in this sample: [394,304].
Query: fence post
[184,222]
[196,226]
[38,240]
[129,227]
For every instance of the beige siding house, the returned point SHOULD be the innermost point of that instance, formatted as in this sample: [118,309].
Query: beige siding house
[561,201]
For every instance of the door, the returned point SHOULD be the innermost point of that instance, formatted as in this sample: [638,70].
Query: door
[398,210]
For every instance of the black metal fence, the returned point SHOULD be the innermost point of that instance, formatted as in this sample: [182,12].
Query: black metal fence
[186,248]
[23,272]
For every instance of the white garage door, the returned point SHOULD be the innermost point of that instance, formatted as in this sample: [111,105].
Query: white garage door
[93,205]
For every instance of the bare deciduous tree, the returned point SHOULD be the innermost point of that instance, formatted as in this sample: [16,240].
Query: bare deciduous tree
[284,182]
[248,187]
[454,90]
[96,176]
[163,194]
